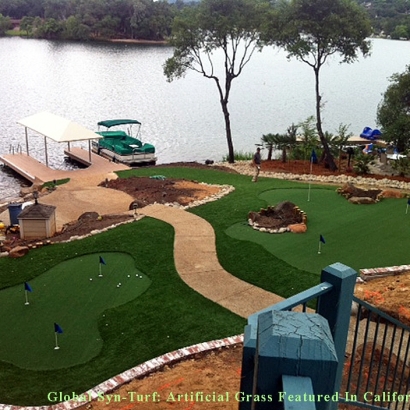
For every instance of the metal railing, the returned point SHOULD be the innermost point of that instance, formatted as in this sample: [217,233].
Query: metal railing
[376,370]
[372,347]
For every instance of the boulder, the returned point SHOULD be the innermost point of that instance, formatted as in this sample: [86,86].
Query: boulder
[361,200]
[297,228]
[390,193]
[18,251]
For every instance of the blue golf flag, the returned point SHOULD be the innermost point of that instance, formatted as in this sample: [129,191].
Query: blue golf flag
[313,157]
[322,239]
[57,328]
[27,287]
[102,261]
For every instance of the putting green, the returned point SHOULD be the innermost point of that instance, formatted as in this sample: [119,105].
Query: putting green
[360,236]
[73,295]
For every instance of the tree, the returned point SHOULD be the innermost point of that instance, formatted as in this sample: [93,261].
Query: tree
[26,24]
[269,141]
[200,31]
[312,31]
[75,30]
[393,112]
[5,24]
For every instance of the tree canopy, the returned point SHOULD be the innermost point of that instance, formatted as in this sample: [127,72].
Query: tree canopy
[313,31]
[200,33]
[393,113]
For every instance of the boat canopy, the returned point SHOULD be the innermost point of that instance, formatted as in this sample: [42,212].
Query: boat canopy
[57,128]
[113,123]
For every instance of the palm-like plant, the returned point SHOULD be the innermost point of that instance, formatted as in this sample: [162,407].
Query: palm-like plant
[308,136]
[337,142]
[269,141]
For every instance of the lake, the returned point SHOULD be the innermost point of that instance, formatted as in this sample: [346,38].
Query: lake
[91,82]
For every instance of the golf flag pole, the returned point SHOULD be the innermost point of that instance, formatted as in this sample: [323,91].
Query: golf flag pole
[27,288]
[321,240]
[57,330]
[102,262]
[407,206]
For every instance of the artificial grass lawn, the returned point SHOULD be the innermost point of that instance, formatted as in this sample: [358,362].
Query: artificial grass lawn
[73,295]
[360,236]
[169,314]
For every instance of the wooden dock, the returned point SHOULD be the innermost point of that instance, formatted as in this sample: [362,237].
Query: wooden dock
[36,172]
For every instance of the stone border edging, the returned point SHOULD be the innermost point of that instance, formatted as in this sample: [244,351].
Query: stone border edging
[244,168]
[375,273]
[139,371]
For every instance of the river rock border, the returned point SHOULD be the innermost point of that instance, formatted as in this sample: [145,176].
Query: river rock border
[245,168]
[138,372]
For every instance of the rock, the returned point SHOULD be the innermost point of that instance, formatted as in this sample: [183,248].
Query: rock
[361,200]
[389,193]
[297,228]
[18,251]
[354,309]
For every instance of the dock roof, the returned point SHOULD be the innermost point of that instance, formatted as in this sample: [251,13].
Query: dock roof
[57,128]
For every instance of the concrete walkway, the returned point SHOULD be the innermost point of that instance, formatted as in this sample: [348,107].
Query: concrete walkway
[197,263]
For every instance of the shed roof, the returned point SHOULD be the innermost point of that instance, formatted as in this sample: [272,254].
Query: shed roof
[37,211]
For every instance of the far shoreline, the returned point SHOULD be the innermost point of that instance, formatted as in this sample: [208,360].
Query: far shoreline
[138,41]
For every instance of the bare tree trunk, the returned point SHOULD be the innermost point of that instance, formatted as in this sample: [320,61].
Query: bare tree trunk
[224,105]
[328,155]
[231,154]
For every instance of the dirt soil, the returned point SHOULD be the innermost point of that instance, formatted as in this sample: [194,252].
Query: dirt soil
[389,294]
[216,372]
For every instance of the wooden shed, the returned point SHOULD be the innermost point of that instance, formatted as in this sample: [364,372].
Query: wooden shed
[37,221]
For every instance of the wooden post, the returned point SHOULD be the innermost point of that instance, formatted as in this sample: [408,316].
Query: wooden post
[335,306]
[335,293]
[294,344]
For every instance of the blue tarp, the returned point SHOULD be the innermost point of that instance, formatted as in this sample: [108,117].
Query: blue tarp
[370,134]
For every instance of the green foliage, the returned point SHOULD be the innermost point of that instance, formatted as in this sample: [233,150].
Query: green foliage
[308,137]
[270,142]
[5,24]
[53,184]
[338,141]
[229,26]
[239,156]
[362,162]
[393,112]
[79,20]
[402,166]
[312,31]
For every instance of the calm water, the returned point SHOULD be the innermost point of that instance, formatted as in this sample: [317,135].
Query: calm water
[91,82]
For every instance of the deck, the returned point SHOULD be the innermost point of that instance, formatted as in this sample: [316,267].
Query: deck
[36,172]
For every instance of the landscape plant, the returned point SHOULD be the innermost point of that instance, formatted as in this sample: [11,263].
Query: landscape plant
[312,32]
[205,31]
[402,166]
[393,112]
[362,163]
